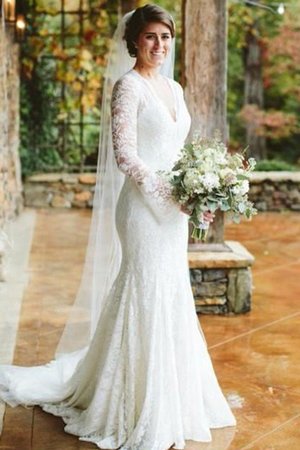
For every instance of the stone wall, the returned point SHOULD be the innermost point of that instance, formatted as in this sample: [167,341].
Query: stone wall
[11,198]
[60,190]
[270,191]
[275,191]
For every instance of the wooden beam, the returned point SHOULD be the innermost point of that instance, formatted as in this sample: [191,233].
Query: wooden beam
[205,74]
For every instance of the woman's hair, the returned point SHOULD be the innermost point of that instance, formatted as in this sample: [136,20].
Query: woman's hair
[140,19]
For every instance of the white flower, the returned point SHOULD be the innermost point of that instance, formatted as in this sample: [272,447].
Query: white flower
[191,179]
[242,207]
[208,152]
[210,181]
[228,176]
[207,166]
[242,188]
[220,158]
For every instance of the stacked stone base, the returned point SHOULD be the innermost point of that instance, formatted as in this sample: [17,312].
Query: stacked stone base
[221,280]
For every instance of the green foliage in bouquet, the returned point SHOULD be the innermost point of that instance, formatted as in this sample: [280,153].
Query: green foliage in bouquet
[207,178]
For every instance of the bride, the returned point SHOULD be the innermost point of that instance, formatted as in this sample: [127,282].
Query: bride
[138,376]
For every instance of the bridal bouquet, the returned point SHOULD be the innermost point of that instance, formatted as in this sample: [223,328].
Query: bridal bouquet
[208,178]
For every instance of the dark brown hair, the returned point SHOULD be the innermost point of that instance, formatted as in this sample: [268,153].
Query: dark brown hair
[140,19]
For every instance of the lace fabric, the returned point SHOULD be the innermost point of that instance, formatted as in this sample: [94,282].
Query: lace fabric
[125,111]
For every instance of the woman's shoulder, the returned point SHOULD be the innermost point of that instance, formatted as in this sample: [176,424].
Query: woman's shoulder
[128,82]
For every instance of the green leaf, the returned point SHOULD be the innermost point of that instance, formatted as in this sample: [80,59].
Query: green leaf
[225,206]
[242,177]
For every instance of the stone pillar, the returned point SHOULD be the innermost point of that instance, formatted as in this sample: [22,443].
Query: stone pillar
[10,173]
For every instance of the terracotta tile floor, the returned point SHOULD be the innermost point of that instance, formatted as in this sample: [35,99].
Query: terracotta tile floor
[256,356]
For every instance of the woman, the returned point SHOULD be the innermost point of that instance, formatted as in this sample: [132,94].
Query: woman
[145,381]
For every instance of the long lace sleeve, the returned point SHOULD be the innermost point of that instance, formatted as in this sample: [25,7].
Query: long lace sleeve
[125,102]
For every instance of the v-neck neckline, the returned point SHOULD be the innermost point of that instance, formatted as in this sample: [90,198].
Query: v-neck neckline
[170,114]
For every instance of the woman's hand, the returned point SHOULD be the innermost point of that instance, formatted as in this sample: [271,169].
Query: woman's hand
[188,209]
[209,216]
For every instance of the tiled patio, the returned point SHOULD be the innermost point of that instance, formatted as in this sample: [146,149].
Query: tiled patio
[256,356]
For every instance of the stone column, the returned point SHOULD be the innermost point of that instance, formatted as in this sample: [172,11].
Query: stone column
[10,173]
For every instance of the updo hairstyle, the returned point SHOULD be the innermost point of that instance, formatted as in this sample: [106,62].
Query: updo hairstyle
[140,19]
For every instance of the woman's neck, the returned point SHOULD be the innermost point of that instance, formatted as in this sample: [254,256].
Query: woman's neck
[147,72]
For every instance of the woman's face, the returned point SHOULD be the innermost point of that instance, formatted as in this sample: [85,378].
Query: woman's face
[153,45]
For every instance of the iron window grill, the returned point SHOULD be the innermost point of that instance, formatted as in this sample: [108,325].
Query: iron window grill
[76,128]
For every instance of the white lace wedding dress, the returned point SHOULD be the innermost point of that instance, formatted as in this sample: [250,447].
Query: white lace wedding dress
[147,381]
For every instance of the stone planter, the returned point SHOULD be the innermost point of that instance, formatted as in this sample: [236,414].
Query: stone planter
[221,280]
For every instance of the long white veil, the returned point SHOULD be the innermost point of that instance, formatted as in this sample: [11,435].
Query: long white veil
[103,256]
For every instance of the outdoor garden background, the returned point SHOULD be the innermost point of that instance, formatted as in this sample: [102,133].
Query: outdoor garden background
[63,61]
[53,56]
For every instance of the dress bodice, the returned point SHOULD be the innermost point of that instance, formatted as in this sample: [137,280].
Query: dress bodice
[159,136]
[146,138]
